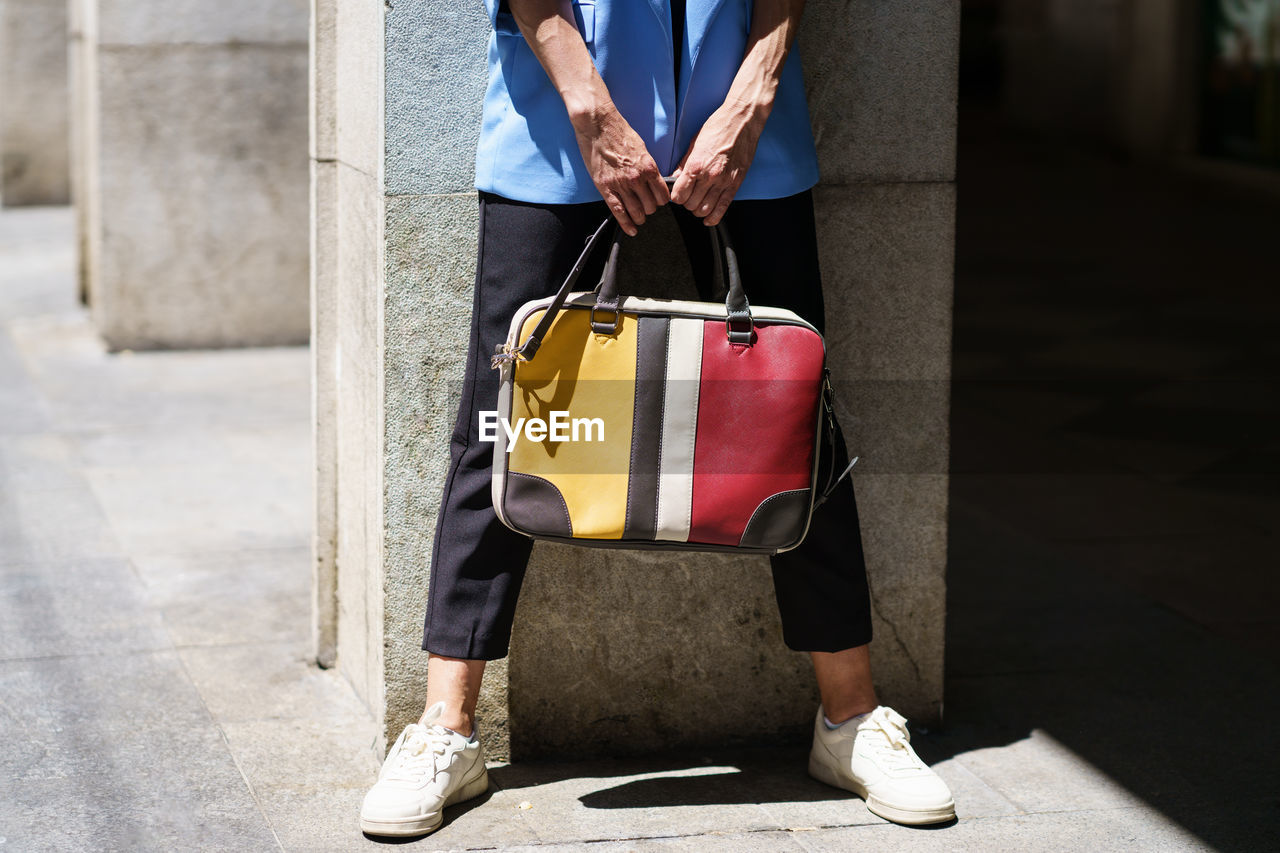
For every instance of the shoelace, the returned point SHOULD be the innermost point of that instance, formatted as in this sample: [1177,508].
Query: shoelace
[891,740]
[419,753]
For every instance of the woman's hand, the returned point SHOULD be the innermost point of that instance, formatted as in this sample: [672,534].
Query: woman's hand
[620,166]
[712,170]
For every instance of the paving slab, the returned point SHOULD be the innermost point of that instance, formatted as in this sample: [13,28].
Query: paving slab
[230,597]
[53,524]
[1122,726]
[89,389]
[118,752]
[21,408]
[748,842]
[90,607]
[498,820]
[735,791]
[46,509]
[580,804]
[160,812]
[1039,774]
[39,259]
[302,752]
[165,509]
[975,797]
[38,462]
[269,681]
[310,817]
[1068,832]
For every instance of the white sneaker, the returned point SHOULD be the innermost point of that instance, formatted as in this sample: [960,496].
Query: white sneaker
[874,760]
[428,768]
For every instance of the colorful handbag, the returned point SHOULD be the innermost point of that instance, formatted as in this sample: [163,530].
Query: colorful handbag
[657,423]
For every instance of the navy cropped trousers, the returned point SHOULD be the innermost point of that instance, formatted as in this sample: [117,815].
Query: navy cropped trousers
[525,252]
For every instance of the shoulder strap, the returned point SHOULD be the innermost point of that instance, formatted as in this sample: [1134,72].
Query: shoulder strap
[505,352]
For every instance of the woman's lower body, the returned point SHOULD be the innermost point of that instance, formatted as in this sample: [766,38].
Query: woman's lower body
[525,250]
[478,563]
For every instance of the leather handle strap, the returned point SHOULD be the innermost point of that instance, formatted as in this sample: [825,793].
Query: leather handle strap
[739,326]
[505,352]
[607,298]
[738,323]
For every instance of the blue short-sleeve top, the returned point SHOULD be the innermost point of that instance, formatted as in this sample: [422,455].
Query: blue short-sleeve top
[528,151]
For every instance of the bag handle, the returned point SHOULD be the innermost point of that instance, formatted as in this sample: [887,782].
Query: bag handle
[527,350]
[739,325]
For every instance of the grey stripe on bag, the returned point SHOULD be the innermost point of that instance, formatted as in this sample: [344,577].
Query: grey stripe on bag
[646,428]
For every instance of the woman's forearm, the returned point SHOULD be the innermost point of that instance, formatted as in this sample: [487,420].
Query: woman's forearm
[553,37]
[615,156]
[773,30]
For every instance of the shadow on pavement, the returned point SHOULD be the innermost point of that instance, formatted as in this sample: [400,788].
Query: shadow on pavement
[1113,583]
[716,777]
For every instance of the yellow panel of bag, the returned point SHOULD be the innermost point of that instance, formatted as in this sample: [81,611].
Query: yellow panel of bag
[591,376]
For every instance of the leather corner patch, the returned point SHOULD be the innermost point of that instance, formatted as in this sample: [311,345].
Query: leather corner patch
[536,506]
[778,522]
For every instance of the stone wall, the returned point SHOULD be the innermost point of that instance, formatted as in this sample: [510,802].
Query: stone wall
[192,170]
[627,650]
[33,102]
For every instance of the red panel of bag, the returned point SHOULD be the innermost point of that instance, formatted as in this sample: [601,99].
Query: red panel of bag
[757,411]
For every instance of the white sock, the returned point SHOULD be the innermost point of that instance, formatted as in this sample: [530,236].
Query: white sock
[855,720]
[472,736]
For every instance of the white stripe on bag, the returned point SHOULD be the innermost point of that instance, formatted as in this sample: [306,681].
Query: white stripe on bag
[679,429]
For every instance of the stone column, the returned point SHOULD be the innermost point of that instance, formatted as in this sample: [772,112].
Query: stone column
[882,83]
[1121,72]
[348,345]
[623,650]
[33,102]
[324,328]
[81,71]
[1159,87]
[191,170]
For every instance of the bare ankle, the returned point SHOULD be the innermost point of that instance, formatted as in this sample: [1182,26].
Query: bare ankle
[454,683]
[456,721]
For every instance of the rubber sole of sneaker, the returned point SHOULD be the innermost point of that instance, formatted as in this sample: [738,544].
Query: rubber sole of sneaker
[897,814]
[425,824]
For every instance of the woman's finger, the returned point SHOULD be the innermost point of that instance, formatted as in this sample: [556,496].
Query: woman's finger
[620,213]
[658,187]
[697,195]
[721,206]
[682,187]
[644,192]
[634,207]
[709,202]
